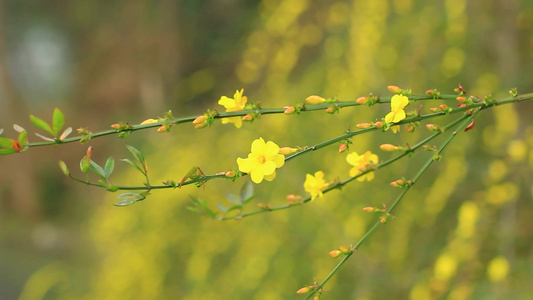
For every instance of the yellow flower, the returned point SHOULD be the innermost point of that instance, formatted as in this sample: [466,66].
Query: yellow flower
[236,103]
[360,164]
[397,103]
[315,184]
[262,162]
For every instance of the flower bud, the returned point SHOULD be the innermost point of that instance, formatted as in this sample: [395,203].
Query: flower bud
[378,124]
[335,253]
[369,209]
[383,220]
[199,120]
[344,249]
[394,89]
[434,109]
[362,100]
[330,109]
[148,121]
[247,118]
[304,290]
[443,107]
[363,125]
[343,147]
[229,174]
[289,110]
[163,128]
[200,126]
[398,183]
[115,126]
[287,150]
[388,147]
[314,99]
[460,99]
[220,173]
[89,153]
[470,126]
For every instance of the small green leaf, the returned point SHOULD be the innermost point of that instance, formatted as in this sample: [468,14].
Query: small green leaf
[109,167]
[63,167]
[129,198]
[41,124]
[22,139]
[84,164]
[247,190]
[233,198]
[222,208]
[96,169]
[136,153]
[133,165]
[6,143]
[58,120]
[112,188]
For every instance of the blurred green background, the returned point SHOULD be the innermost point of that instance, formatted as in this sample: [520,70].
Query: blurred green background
[463,232]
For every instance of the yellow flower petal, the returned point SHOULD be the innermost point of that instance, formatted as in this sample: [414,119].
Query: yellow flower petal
[398,102]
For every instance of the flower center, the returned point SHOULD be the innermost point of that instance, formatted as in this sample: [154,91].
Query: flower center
[261,159]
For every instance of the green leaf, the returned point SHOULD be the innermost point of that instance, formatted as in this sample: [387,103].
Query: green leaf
[58,120]
[137,154]
[129,198]
[247,190]
[6,143]
[7,151]
[22,139]
[84,164]
[233,198]
[63,167]
[96,169]
[112,188]
[109,167]
[133,165]
[222,208]
[41,124]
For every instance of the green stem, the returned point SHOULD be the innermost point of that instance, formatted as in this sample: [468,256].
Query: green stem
[261,111]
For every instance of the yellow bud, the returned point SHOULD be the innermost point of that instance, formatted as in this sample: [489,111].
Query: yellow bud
[289,110]
[200,126]
[330,109]
[443,107]
[148,121]
[287,150]
[220,173]
[162,128]
[314,99]
[363,125]
[460,99]
[229,174]
[334,253]
[383,220]
[304,290]
[344,249]
[394,89]
[378,124]
[199,120]
[361,100]
[434,109]
[115,126]
[388,147]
